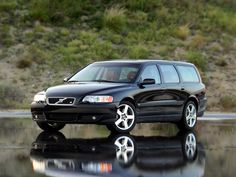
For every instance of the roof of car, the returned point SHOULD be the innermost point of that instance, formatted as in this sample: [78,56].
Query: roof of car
[145,61]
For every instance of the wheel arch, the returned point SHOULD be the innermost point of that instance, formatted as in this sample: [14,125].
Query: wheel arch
[194,99]
[129,99]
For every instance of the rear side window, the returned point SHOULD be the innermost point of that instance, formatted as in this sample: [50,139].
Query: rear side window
[169,73]
[188,73]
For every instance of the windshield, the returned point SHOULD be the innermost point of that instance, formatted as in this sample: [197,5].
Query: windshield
[124,73]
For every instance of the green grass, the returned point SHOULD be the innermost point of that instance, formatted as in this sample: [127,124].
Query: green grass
[56,11]
[224,19]
[5,35]
[8,5]
[138,52]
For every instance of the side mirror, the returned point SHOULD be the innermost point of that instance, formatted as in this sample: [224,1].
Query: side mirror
[65,79]
[147,81]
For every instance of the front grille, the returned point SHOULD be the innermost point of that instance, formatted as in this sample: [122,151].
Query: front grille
[60,101]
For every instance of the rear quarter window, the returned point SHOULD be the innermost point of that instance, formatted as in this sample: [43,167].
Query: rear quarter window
[188,73]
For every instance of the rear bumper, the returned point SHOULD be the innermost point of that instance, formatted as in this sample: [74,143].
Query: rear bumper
[83,113]
[202,105]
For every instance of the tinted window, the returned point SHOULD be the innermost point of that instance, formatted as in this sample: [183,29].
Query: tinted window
[107,72]
[151,72]
[170,75]
[188,73]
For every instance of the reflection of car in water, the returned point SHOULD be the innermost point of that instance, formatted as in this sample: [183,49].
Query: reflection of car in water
[119,155]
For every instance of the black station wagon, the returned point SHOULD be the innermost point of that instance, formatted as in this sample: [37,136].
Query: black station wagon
[122,93]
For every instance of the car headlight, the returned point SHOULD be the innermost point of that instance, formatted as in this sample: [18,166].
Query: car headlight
[38,166]
[40,97]
[98,99]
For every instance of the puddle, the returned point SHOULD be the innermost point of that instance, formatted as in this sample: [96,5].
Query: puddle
[90,150]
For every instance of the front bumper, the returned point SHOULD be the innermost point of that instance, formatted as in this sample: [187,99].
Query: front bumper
[83,113]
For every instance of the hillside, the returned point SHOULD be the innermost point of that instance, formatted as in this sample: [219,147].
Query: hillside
[42,41]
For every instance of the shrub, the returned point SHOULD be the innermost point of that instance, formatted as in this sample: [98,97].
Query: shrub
[228,101]
[10,96]
[104,50]
[221,62]
[87,37]
[197,58]
[138,52]
[5,36]
[35,54]
[111,36]
[24,63]
[138,20]
[197,41]
[143,5]
[56,11]
[114,18]
[223,19]
[7,5]
[183,32]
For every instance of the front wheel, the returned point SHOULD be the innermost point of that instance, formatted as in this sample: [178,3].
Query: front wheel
[189,118]
[126,118]
[46,126]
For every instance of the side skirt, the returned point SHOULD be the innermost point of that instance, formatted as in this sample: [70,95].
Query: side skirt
[159,118]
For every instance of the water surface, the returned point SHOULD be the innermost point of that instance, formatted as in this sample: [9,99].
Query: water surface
[90,150]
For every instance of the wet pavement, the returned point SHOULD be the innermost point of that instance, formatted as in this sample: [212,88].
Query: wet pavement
[90,150]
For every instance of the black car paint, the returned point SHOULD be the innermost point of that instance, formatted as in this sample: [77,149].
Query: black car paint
[154,103]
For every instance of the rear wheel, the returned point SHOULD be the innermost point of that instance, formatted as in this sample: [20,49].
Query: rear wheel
[189,118]
[126,118]
[50,126]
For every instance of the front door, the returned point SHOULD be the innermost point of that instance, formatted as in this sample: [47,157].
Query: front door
[149,97]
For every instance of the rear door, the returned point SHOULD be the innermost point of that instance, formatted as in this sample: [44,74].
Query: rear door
[174,95]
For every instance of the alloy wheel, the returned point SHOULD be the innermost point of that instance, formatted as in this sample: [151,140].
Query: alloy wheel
[126,117]
[191,115]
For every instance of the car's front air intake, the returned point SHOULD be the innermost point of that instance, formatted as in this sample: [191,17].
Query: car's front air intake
[60,101]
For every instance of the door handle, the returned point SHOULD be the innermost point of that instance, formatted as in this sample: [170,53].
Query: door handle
[182,88]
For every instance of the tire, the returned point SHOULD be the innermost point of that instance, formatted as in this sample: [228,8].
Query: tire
[50,126]
[126,118]
[189,117]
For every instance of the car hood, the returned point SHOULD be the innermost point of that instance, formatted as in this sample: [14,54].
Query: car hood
[82,89]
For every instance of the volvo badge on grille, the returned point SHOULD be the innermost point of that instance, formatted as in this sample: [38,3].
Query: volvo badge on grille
[60,100]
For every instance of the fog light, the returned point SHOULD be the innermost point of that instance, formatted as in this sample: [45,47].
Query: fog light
[94,117]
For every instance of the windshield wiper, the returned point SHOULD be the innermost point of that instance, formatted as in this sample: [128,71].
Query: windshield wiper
[101,80]
[72,81]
